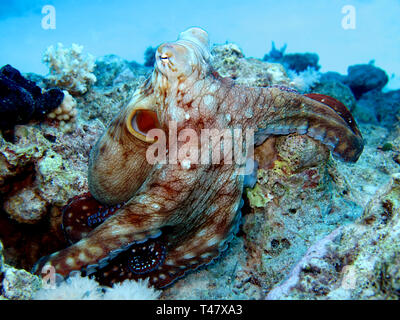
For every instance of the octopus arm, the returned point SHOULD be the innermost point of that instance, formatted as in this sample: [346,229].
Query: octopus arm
[161,201]
[282,111]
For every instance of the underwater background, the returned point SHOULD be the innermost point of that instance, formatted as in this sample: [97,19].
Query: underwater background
[127,28]
[312,226]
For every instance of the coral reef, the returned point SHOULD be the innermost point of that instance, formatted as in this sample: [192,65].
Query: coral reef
[357,261]
[132,290]
[16,284]
[150,57]
[22,100]
[313,227]
[229,61]
[65,113]
[292,206]
[336,89]
[275,54]
[298,62]
[36,174]
[379,107]
[117,79]
[304,81]
[362,78]
[69,68]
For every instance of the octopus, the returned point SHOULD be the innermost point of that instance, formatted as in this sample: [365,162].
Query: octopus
[161,219]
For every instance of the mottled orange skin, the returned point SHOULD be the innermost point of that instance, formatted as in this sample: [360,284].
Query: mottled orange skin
[198,205]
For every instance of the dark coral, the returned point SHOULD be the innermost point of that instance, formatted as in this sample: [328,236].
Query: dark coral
[362,78]
[298,62]
[150,57]
[22,100]
[275,54]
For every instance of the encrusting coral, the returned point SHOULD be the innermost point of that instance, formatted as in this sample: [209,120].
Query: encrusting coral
[16,284]
[355,261]
[65,113]
[69,68]
[22,100]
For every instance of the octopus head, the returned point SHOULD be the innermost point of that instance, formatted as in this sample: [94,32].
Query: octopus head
[186,55]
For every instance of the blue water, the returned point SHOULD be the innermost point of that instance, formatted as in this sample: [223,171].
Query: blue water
[127,28]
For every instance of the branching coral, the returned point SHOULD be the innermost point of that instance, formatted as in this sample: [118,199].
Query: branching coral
[69,68]
[305,80]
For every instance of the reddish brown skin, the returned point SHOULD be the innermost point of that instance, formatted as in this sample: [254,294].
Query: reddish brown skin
[195,207]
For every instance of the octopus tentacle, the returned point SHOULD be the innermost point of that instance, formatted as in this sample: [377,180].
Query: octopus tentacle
[197,246]
[278,111]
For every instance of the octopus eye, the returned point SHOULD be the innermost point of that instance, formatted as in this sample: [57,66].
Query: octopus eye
[141,122]
[164,58]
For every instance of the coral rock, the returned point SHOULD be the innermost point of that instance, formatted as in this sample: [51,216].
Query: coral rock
[19,284]
[379,108]
[22,100]
[362,78]
[229,61]
[69,68]
[337,90]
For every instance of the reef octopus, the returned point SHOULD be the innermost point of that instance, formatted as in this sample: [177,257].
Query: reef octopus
[159,220]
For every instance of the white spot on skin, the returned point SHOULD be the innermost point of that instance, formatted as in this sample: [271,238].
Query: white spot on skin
[228,117]
[185,164]
[187,116]
[213,241]
[82,257]
[206,255]
[170,262]
[209,101]
[213,88]
[96,251]
[197,88]
[163,276]
[201,233]
[248,113]
[189,255]
[70,261]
